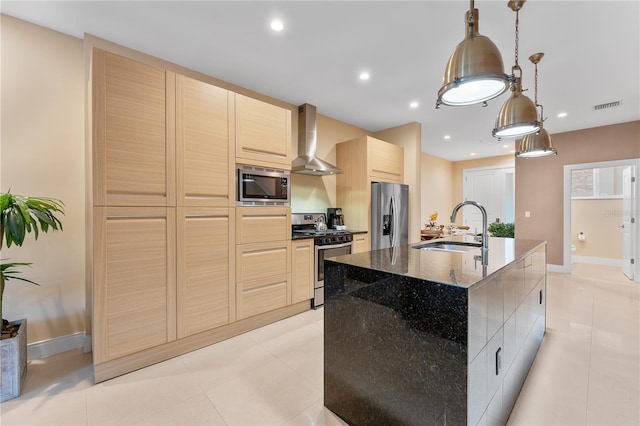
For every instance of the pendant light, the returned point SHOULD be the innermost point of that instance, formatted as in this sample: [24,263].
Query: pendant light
[538,144]
[475,72]
[518,115]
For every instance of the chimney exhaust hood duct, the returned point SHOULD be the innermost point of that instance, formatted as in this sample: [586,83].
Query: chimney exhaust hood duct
[307,163]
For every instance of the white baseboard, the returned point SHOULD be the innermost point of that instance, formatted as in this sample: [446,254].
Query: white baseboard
[45,348]
[558,268]
[597,260]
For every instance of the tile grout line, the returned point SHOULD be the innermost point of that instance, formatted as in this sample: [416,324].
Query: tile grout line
[593,310]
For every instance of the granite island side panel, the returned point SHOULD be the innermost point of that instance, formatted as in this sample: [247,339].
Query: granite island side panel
[401,333]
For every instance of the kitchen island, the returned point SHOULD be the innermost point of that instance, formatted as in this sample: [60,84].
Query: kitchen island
[419,337]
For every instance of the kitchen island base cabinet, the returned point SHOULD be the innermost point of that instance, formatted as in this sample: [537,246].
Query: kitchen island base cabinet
[400,349]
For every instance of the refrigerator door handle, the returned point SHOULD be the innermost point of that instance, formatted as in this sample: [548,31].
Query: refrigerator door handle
[391,221]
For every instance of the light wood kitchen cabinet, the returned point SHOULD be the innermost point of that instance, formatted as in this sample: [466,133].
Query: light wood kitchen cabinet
[386,161]
[261,224]
[173,265]
[360,243]
[133,145]
[205,158]
[302,268]
[134,280]
[205,269]
[263,295]
[383,162]
[263,133]
[261,260]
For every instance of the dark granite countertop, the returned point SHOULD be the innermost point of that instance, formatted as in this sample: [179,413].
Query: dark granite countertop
[457,269]
[295,237]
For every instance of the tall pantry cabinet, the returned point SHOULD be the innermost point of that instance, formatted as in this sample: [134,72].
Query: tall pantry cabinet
[173,264]
[163,160]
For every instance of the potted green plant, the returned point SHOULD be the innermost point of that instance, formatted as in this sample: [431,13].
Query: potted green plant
[506,230]
[19,216]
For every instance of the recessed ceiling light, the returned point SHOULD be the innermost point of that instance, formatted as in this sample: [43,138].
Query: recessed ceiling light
[364,75]
[505,146]
[513,151]
[414,104]
[277,25]
[472,154]
[447,136]
[562,114]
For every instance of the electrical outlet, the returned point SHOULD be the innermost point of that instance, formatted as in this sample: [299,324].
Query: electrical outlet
[527,214]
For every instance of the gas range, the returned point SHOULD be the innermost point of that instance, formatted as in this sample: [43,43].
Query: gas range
[305,224]
[323,238]
[327,243]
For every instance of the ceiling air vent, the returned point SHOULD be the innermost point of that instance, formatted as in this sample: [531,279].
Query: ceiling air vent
[607,105]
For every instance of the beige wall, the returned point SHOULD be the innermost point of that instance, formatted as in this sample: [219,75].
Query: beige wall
[317,193]
[460,166]
[600,221]
[42,154]
[437,188]
[314,194]
[442,183]
[409,136]
[539,181]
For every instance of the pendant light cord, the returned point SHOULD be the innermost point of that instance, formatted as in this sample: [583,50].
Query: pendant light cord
[535,77]
[517,36]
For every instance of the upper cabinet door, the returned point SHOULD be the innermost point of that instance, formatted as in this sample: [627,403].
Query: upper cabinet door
[386,161]
[133,148]
[204,158]
[263,133]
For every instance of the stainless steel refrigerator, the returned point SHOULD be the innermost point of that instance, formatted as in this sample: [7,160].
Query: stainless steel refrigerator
[389,215]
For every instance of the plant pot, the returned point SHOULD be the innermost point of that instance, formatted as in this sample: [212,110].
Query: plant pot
[13,355]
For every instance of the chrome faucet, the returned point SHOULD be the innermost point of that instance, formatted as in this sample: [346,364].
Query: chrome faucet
[485,238]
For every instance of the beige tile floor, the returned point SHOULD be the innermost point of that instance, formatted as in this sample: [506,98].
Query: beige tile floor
[586,372]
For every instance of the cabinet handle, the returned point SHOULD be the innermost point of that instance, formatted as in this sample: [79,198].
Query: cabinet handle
[541,296]
[498,361]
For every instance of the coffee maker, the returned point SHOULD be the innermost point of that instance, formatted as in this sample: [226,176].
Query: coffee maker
[335,218]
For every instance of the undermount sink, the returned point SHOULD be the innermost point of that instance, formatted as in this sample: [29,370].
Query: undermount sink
[450,246]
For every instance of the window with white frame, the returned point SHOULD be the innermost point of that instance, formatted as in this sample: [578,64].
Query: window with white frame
[605,182]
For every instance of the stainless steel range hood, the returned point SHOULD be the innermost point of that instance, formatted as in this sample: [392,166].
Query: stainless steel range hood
[307,163]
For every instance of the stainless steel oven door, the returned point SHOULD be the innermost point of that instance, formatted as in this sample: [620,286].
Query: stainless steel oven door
[323,252]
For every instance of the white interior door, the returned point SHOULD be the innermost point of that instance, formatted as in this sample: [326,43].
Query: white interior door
[491,188]
[628,224]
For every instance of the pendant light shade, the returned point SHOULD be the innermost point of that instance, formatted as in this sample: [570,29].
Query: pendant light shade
[518,115]
[475,71]
[536,145]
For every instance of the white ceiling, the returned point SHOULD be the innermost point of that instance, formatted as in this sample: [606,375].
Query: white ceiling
[592,56]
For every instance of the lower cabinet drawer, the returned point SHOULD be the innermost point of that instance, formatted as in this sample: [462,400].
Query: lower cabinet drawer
[262,260]
[264,295]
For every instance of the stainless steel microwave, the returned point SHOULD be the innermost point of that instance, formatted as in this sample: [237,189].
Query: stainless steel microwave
[259,186]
